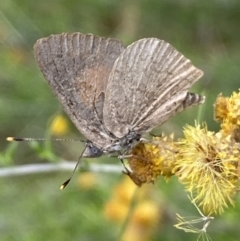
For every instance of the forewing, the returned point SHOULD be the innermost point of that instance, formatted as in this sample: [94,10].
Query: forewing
[149,79]
[77,67]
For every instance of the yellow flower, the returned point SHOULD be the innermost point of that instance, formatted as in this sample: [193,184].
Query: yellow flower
[87,180]
[207,165]
[125,191]
[220,108]
[134,207]
[148,161]
[227,128]
[117,207]
[59,125]
[227,112]
[234,108]
[147,213]
[228,108]
[115,210]
[143,223]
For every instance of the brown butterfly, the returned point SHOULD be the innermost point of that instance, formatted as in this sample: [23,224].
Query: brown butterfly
[115,94]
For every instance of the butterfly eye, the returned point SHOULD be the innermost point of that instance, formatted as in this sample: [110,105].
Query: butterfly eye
[95,151]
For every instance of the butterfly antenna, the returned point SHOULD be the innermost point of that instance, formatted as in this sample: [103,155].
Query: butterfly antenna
[75,168]
[11,139]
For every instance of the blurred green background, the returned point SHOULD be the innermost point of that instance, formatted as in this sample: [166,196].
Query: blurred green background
[31,206]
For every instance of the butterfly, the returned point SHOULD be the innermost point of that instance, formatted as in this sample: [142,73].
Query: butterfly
[114,94]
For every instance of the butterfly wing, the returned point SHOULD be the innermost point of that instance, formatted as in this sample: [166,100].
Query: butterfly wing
[148,82]
[77,67]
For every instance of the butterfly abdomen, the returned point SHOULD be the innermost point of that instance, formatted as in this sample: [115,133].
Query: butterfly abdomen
[192,99]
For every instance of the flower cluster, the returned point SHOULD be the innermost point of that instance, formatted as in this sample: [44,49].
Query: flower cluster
[59,125]
[135,208]
[152,159]
[205,162]
[227,112]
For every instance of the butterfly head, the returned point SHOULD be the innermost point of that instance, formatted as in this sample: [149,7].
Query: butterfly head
[91,150]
